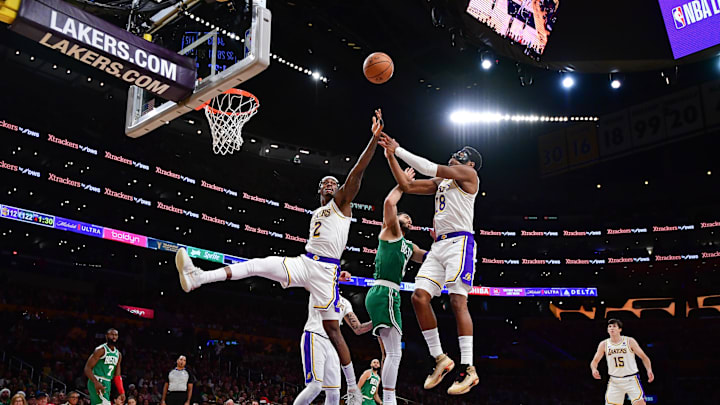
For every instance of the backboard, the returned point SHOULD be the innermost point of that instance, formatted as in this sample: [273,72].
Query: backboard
[146,112]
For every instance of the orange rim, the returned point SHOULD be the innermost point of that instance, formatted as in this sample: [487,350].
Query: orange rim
[238,92]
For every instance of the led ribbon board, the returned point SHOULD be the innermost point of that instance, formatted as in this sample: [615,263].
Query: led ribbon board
[51,221]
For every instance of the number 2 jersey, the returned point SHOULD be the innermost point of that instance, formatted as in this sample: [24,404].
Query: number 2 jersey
[620,358]
[454,208]
[329,230]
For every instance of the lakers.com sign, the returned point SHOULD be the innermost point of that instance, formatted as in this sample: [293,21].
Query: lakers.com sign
[95,42]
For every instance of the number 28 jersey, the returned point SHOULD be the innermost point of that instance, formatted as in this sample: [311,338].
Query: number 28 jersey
[329,230]
[454,208]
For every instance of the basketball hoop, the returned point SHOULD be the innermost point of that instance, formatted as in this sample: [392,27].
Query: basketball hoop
[227,113]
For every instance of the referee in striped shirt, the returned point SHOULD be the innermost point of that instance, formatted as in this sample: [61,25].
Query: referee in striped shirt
[179,385]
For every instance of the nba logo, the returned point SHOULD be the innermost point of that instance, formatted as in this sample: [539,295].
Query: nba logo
[679,17]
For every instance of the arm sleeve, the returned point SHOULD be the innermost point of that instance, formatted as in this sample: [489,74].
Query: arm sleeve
[422,165]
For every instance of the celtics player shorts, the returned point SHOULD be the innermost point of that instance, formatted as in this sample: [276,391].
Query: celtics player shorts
[383,305]
[450,262]
[96,399]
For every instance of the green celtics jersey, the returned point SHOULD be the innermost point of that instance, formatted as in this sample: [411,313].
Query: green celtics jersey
[370,388]
[105,367]
[391,259]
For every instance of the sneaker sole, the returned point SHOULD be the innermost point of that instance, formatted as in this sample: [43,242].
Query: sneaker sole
[442,375]
[467,389]
[179,265]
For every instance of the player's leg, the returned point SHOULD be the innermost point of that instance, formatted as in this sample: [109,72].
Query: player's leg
[275,268]
[313,359]
[331,376]
[635,391]
[391,340]
[427,286]
[95,398]
[460,271]
[615,393]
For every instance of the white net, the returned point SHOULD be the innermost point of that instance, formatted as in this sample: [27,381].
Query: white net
[227,113]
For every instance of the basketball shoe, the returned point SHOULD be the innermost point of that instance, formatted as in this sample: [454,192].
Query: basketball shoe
[188,273]
[441,365]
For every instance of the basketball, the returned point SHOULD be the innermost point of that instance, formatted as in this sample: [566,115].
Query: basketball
[378,67]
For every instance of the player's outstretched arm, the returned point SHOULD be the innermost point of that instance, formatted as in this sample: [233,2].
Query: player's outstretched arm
[596,360]
[635,347]
[418,255]
[391,225]
[347,192]
[407,184]
[426,167]
[354,323]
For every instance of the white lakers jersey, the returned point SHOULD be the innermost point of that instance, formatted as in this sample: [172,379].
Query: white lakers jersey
[314,322]
[454,208]
[329,230]
[620,358]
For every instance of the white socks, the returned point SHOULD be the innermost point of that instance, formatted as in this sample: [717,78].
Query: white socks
[212,276]
[349,372]
[389,397]
[466,349]
[432,337]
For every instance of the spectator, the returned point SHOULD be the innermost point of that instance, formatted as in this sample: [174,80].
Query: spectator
[4,396]
[41,398]
[19,399]
[73,398]
[131,401]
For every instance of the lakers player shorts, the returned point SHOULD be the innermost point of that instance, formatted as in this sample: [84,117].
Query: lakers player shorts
[319,276]
[451,263]
[618,387]
[320,360]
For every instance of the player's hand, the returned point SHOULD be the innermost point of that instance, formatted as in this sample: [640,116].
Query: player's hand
[99,388]
[410,173]
[162,403]
[433,234]
[187,403]
[345,275]
[596,374]
[651,376]
[377,123]
[388,143]
[122,398]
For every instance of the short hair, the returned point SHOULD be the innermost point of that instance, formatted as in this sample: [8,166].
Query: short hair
[402,213]
[111,329]
[614,321]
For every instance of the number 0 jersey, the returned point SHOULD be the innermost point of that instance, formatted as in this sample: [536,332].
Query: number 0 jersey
[454,208]
[329,230]
[620,358]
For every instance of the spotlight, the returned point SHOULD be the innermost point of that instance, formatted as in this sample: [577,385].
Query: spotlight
[486,60]
[615,84]
[568,82]
[316,76]
[616,80]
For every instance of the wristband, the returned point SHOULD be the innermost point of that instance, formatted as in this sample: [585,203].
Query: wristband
[119,384]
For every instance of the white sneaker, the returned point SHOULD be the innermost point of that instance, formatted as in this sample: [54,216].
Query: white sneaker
[187,271]
[354,397]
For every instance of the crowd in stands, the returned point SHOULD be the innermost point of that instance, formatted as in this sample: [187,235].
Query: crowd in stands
[244,347]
